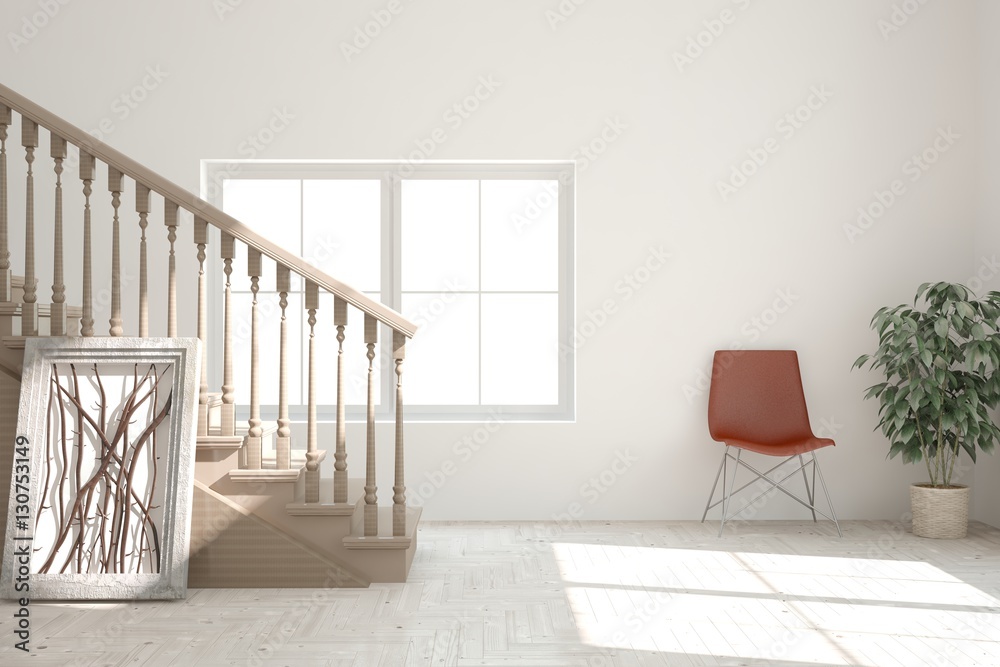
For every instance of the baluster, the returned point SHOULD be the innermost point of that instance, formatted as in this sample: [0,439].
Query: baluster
[283,444]
[227,416]
[5,273]
[170,220]
[371,495]
[29,307]
[340,456]
[115,187]
[142,208]
[57,312]
[201,240]
[399,486]
[87,167]
[312,451]
[253,440]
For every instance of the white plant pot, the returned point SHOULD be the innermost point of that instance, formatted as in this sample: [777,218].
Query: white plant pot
[939,513]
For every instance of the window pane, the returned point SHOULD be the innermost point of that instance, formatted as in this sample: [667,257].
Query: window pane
[442,360]
[342,230]
[269,207]
[440,229]
[355,359]
[520,235]
[520,349]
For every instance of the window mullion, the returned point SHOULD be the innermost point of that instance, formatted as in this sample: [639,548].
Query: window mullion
[479,297]
[391,288]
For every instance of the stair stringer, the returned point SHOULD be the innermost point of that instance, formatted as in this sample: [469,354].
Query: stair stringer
[232,547]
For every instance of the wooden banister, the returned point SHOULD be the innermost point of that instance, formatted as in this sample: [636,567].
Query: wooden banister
[202,209]
[216,413]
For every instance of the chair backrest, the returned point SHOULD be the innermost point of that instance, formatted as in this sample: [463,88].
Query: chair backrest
[756,396]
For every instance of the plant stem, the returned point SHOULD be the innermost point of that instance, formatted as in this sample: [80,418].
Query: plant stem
[940,450]
[954,457]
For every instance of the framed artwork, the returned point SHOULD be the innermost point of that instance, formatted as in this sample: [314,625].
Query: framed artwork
[103,474]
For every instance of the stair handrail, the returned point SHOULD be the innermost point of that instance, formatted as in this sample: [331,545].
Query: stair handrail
[203,210]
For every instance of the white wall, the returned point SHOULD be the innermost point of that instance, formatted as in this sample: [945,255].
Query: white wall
[986,492]
[783,232]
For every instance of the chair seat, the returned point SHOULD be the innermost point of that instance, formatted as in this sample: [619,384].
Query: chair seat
[791,448]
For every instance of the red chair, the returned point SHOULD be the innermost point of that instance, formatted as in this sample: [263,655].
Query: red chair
[756,404]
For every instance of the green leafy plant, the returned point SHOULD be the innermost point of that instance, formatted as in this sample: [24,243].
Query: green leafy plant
[939,358]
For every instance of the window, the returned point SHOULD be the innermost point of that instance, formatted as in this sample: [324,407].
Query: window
[480,256]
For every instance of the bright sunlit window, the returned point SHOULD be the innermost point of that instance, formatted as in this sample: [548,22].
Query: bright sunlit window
[479,255]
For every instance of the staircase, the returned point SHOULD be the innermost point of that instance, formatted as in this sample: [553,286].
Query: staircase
[263,516]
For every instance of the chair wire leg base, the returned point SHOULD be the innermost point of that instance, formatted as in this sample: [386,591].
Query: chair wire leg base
[728,495]
[729,487]
[809,490]
[829,502]
[722,467]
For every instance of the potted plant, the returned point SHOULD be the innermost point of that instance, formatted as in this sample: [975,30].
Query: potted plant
[939,359]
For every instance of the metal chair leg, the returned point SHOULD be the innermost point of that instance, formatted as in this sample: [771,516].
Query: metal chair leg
[809,491]
[727,497]
[722,466]
[827,493]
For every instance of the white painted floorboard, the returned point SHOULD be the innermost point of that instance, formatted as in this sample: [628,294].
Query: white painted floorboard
[595,594]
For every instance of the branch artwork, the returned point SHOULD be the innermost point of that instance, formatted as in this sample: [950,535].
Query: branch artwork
[103,479]
[101,510]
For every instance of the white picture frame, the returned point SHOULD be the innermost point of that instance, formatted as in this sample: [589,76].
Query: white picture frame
[78,540]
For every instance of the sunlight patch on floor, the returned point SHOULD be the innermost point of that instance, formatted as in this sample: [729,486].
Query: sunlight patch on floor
[776,607]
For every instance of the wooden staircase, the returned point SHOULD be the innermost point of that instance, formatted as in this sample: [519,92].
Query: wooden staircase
[264,516]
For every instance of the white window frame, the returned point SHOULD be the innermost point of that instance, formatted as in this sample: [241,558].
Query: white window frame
[391,174]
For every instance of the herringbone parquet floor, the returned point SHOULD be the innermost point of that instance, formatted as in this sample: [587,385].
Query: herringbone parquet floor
[594,594]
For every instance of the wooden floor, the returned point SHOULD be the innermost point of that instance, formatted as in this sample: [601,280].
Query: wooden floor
[596,594]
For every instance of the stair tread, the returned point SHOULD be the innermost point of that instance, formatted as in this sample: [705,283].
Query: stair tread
[326,506]
[268,472]
[44,309]
[385,538]
[231,442]
[14,342]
